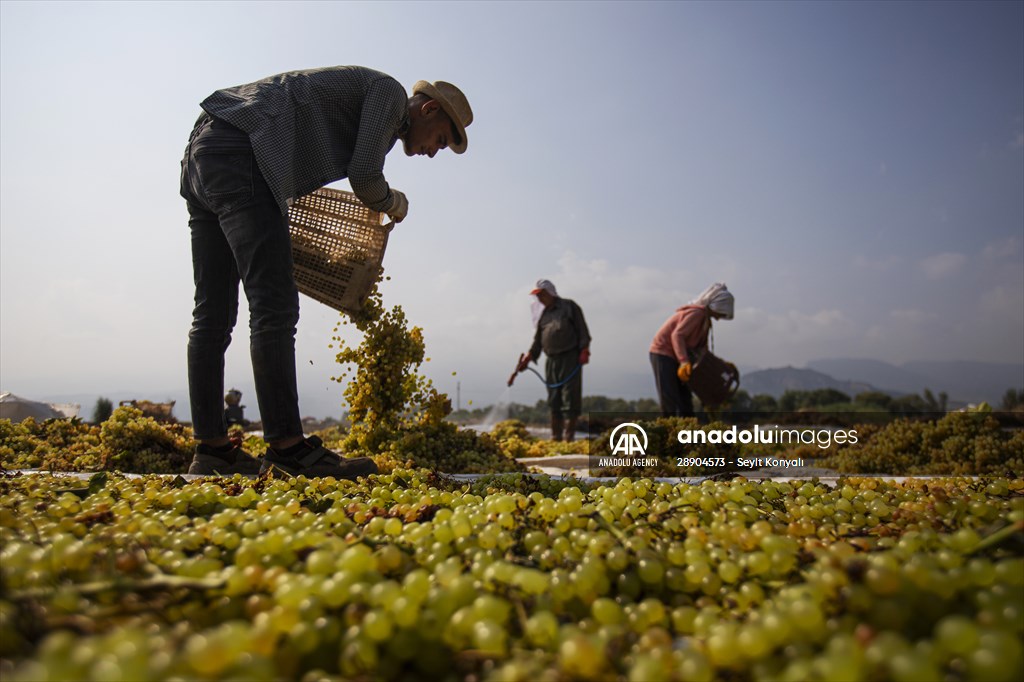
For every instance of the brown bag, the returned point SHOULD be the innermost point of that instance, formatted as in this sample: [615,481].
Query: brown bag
[713,380]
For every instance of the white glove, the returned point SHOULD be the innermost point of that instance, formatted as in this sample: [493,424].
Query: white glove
[399,206]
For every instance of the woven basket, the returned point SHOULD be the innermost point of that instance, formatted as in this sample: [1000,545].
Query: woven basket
[713,380]
[337,247]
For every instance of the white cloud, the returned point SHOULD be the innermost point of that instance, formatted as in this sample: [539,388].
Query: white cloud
[1002,302]
[766,338]
[881,264]
[912,316]
[942,265]
[1007,248]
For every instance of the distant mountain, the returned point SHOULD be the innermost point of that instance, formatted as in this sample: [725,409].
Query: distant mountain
[960,380]
[775,382]
[882,375]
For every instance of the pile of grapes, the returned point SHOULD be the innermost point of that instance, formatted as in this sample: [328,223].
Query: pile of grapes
[415,576]
[53,444]
[516,441]
[128,441]
[960,443]
[436,445]
[397,415]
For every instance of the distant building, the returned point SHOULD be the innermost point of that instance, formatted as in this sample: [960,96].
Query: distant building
[18,409]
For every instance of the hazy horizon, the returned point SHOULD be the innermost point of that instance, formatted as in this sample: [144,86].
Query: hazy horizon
[328,407]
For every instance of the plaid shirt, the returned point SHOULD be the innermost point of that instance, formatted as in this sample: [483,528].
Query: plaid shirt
[310,128]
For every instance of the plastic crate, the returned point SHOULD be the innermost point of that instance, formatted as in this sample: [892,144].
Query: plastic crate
[337,247]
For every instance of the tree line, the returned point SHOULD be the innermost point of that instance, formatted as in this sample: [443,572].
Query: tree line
[792,401]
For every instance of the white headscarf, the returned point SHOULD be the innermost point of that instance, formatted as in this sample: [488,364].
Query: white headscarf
[536,307]
[717,298]
[536,310]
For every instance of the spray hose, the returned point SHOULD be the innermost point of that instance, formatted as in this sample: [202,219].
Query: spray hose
[560,383]
[541,377]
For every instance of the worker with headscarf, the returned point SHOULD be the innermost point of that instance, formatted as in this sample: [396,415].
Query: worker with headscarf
[562,334]
[681,343]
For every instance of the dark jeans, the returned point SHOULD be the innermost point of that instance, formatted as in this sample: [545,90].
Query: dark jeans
[566,399]
[675,397]
[238,235]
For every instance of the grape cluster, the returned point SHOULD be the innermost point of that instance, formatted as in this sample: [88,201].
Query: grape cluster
[53,444]
[960,443]
[550,448]
[132,442]
[511,428]
[397,416]
[445,447]
[525,484]
[516,441]
[386,389]
[415,575]
[128,441]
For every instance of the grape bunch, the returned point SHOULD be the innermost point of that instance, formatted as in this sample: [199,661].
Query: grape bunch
[131,442]
[397,416]
[525,484]
[511,428]
[416,575]
[445,447]
[386,388]
[959,443]
[52,444]
[516,441]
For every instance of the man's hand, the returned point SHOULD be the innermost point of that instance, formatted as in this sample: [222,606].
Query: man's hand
[524,362]
[399,206]
[584,356]
[684,371]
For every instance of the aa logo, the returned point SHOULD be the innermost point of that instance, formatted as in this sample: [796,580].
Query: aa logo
[625,440]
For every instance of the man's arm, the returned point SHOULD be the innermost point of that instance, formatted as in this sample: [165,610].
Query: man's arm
[581,326]
[383,111]
[532,354]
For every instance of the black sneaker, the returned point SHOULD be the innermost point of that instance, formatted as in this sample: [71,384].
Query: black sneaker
[209,461]
[315,461]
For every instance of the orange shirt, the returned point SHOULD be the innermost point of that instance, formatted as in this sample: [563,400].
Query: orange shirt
[683,333]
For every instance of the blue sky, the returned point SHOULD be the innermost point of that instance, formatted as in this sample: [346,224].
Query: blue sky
[853,171]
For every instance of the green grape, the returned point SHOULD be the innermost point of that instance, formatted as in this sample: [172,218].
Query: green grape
[292,582]
[607,612]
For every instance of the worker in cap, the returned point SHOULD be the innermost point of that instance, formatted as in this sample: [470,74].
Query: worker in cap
[681,342]
[255,149]
[562,335]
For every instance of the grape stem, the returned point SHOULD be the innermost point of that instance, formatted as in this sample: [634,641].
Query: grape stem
[997,538]
[609,527]
[157,582]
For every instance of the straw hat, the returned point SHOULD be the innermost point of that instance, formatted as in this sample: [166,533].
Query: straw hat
[454,104]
